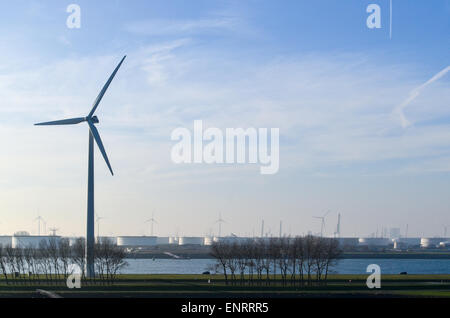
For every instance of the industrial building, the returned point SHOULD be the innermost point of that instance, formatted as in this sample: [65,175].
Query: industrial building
[347,242]
[5,240]
[32,240]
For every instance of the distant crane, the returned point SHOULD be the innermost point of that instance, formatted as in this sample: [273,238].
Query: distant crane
[152,221]
[322,225]
[220,221]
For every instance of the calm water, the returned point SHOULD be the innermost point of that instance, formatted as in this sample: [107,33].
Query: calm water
[345,266]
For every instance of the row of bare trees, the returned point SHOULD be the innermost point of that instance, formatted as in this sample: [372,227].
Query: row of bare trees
[301,260]
[54,260]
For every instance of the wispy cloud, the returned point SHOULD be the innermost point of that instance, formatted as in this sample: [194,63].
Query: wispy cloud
[183,27]
[414,94]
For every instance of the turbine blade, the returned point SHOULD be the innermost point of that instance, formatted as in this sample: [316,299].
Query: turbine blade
[70,121]
[102,92]
[98,140]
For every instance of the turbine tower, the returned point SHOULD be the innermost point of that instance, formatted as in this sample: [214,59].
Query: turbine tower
[338,227]
[39,219]
[91,120]
[152,221]
[97,219]
[220,221]
[322,225]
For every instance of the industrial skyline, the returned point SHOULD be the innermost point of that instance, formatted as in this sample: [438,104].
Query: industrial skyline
[363,118]
[330,228]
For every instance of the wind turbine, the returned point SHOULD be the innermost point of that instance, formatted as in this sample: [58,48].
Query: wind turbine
[322,225]
[97,219]
[91,120]
[39,219]
[152,221]
[220,221]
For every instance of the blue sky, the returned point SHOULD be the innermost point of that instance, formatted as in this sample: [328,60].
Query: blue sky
[311,68]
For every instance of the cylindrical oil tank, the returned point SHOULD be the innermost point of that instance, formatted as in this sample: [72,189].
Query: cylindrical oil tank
[173,240]
[429,242]
[136,241]
[190,240]
[208,240]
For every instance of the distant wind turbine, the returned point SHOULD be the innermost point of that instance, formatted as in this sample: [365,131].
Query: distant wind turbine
[91,120]
[322,225]
[39,219]
[220,221]
[152,221]
[97,219]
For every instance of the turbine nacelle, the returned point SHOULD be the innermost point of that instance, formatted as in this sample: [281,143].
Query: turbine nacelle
[94,119]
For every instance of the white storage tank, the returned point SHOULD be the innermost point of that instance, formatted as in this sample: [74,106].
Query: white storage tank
[173,240]
[374,241]
[430,242]
[190,240]
[32,240]
[5,240]
[136,241]
[208,240]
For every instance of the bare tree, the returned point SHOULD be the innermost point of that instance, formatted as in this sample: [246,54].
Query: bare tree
[64,252]
[78,255]
[219,252]
[3,263]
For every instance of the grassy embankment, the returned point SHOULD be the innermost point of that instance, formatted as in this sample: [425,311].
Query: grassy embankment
[198,286]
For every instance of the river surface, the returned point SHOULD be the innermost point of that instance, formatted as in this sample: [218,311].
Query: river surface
[344,266]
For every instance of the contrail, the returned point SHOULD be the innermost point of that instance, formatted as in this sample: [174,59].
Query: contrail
[416,92]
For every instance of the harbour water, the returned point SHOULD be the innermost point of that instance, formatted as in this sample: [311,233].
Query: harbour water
[344,266]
